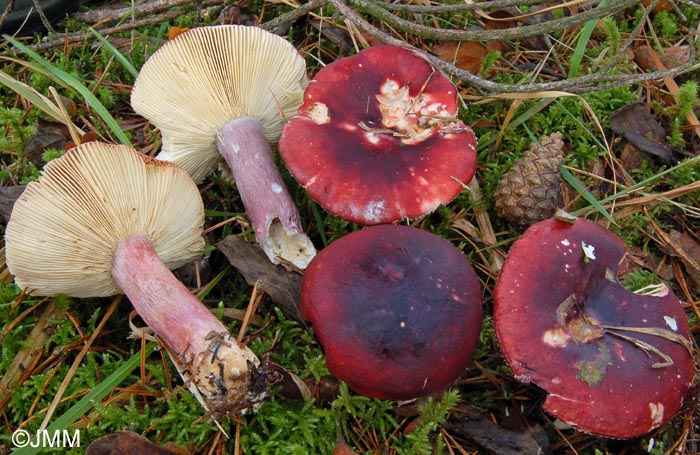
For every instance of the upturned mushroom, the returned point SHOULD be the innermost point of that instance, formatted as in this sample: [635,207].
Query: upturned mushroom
[614,363]
[226,91]
[106,219]
[396,309]
[378,139]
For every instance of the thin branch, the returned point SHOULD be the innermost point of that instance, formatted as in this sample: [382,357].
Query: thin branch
[484,6]
[578,85]
[78,37]
[374,9]
[280,24]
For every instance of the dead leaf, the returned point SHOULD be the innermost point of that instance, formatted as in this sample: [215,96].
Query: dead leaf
[689,252]
[342,447]
[175,30]
[467,55]
[663,5]
[48,135]
[8,196]
[281,285]
[673,56]
[489,435]
[129,443]
[90,136]
[636,124]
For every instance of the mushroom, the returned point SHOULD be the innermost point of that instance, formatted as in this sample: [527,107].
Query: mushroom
[105,219]
[396,309]
[614,363]
[225,91]
[378,140]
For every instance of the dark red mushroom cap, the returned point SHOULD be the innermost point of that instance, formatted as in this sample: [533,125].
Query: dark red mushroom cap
[396,309]
[614,363]
[377,139]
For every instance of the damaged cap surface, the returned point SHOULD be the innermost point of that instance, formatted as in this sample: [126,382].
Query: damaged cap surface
[378,140]
[614,363]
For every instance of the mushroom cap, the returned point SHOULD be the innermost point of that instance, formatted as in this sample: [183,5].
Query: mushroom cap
[377,139]
[566,324]
[207,76]
[396,309]
[65,226]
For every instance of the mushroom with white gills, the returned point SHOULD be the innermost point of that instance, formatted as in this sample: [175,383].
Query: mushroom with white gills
[378,138]
[226,91]
[104,220]
[614,363]
[396,309]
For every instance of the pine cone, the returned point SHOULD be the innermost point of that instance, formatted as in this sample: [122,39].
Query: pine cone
[531,190]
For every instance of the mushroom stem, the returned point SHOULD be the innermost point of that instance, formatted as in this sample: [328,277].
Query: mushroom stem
[269,206]
[222,369]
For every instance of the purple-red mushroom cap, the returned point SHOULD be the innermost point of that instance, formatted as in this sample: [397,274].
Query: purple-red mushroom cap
[378,139]
[614,363]
[396,309]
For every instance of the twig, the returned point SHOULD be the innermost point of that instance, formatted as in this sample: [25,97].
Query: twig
[44,20]
[99,15]
[6,12]
[577,85]
[70,38]
[484,6]
[281,23]
[476,34]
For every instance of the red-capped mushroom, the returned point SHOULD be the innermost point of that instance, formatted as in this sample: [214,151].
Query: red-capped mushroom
[614,363]
[378,140]
[396,309]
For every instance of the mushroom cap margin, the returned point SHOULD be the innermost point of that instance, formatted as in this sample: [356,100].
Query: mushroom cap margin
[66,225]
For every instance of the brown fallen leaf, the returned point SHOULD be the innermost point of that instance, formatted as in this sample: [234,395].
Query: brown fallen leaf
[689,251]
[8,196]
[636,124]
[648,58]
[48,135]
[281,285]
[130,443]
[487,434]
[467,55]
[342,447]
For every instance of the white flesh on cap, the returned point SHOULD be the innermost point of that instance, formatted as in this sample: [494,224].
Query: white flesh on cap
[207,77]
[105,219]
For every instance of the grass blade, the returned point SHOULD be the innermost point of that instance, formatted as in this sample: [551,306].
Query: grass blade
[87,402]
[30,94]
[582,44]
[71,82]
[118,55]
[575,184]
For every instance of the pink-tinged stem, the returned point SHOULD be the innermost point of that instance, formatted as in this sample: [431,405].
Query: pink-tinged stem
[269,206]
[224,370]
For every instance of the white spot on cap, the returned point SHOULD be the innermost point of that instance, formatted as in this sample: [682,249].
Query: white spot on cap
[319,114]
[372,212]
[565,242]
[235,148]
[276,188]
[671,322]
[657,414]
[429,206]
[588,250]
[372,138]
[556,337]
